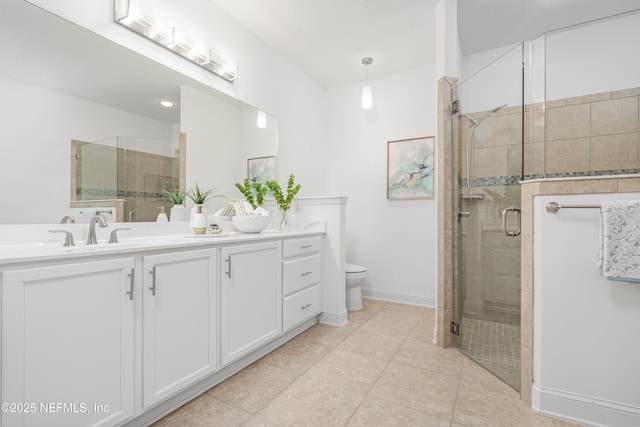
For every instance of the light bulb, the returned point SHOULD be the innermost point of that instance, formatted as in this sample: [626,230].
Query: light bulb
[367,98]
[261,122]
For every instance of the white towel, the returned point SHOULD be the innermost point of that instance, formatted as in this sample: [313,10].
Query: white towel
[619,240]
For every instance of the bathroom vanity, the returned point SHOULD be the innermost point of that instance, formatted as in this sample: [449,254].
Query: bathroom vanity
[123,334]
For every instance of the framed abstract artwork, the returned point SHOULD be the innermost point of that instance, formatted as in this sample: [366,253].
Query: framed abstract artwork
[410,168]
[262,169]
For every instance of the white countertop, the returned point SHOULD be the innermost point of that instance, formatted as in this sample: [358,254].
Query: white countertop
[40,245]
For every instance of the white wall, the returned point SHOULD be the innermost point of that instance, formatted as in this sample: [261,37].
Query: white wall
[212,162]
[608,50]
[491,78]
[267,81]
[395,240]
[581,60]
[586,329]
[37,128]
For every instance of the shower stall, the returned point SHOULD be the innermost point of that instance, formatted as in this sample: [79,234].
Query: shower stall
[134,170]
[525,112]
[489,152]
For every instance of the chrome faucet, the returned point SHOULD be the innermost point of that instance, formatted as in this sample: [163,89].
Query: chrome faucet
[91,237]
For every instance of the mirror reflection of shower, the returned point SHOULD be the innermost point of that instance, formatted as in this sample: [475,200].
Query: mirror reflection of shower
[471,130]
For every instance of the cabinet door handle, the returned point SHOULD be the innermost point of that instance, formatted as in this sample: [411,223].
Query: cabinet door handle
[304,307]
[228,272]
[153,281]
[307,273]
[130,291]
[306,246]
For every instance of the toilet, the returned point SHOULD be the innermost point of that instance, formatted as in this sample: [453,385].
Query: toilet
[354,275]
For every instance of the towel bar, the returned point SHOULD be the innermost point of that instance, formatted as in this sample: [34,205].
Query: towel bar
[553,207]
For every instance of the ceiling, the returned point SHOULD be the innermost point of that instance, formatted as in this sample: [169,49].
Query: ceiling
[327,39]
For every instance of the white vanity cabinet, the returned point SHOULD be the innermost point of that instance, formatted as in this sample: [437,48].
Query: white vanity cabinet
[179,321]
[302,274]
[68,344]
[250,297]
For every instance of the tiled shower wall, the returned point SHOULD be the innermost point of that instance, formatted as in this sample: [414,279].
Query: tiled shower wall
[588,135]
[104,172]
[593,133]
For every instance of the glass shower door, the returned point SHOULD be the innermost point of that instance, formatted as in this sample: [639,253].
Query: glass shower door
[487,239]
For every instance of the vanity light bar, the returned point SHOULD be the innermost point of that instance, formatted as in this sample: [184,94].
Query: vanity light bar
[141,20]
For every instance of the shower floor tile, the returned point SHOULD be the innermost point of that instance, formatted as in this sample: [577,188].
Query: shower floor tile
[496,346]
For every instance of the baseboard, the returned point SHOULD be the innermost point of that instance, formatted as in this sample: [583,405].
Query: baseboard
[583,409]
[334,318]
[399,297]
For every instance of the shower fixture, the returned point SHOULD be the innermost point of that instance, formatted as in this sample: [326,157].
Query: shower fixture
[471,130]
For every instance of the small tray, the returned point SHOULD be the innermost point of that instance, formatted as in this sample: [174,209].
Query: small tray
[206,236]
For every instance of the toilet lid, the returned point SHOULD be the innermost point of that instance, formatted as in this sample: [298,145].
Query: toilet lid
[354,268]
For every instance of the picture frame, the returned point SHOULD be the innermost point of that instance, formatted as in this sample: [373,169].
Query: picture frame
[262,169]
[411,168]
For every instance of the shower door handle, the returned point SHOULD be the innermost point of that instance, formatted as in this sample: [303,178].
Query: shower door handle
[518,212]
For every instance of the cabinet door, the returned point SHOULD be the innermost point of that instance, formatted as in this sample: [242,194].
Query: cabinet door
[250,298]
[179,321]
[67,344]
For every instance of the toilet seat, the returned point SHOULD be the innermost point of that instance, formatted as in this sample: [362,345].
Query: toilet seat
[354,274]
[354,268]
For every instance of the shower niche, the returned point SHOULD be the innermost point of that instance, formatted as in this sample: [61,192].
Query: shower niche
[127,172]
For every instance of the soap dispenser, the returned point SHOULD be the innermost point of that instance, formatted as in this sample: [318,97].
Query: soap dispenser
[162,216]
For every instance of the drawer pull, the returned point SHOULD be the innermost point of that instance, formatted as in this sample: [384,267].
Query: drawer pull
[307,273]
[306,246]
[304,307]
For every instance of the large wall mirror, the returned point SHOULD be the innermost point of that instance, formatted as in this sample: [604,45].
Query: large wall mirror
[81,120]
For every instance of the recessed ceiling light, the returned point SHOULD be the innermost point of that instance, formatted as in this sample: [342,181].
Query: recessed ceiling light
[167,104]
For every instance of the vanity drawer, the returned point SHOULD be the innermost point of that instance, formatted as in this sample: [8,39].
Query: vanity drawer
[295,247]
[299,307]
[300,273]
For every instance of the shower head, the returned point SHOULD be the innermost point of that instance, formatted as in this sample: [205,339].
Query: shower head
[476,123]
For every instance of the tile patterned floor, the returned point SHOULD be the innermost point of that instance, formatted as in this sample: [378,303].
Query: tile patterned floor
[496,346]
[379,370]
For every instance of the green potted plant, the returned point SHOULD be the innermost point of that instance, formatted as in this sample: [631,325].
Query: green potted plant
[178,211]
[284,203]
[259,219]
[253,192]
[199,221]
[198,196]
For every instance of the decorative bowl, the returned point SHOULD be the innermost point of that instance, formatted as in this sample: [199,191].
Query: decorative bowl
[251,223]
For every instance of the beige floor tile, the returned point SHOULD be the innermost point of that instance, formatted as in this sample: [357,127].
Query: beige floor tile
[372,306]
[204,411]
[386,325]
[423,331]
[357,318]
[430,357]
[346,371]
[378,412]
[560,423]
[371,344]
[402,310]
[329,336]
[306,403]
[253,387]
[298,355]
[484,400]
[425,391]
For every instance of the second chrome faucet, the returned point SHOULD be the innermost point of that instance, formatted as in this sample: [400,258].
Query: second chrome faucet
[91,237]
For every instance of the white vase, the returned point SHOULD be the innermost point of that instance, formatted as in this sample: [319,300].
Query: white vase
[194,210]
[178,213]
[199,221]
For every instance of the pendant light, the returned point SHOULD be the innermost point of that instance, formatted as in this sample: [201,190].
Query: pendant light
[367,94]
